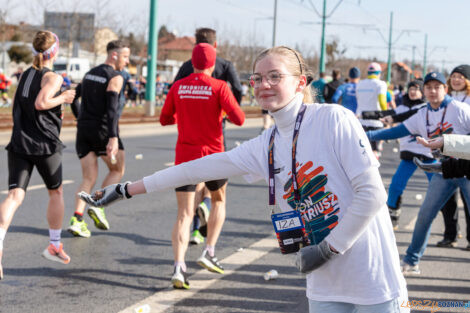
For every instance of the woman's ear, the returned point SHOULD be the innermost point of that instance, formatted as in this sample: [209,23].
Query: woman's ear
[302,83]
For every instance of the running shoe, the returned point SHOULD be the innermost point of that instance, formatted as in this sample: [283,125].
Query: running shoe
[210,263]
[447,243]
[409,270]
[203,213]
[78,228]
[58,255]
[179,279]
[196,238]
[203,231]
[98,216]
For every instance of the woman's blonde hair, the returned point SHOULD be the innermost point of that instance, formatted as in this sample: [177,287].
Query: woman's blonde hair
[42,41]
[295,64]
[450,89]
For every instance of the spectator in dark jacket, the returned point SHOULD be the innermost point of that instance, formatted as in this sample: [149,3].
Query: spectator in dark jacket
[331,87]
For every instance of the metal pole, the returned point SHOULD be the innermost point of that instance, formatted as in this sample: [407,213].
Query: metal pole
[413,63]
[151,61]
[323,46]
[274,23]
[425,52]
[389,63]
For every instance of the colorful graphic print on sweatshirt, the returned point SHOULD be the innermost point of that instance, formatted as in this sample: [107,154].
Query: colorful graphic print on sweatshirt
[319,208]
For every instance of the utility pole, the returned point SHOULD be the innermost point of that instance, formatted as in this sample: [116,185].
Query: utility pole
[389,63]
[390,43]
[274,23]
[425,52]
[324,16]
[323,44]
[151,61]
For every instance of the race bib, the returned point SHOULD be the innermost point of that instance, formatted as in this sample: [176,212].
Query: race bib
[290,231]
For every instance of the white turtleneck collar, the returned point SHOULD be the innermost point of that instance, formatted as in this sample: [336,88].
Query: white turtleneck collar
[459,95]
[285,117]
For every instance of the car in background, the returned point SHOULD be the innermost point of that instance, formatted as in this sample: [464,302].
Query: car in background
[74,68]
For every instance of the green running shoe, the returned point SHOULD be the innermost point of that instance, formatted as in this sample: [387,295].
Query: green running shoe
[98,216]
[78,229]
[196,238]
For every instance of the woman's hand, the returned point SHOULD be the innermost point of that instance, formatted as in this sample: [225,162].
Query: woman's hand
[432,144]
[387,120]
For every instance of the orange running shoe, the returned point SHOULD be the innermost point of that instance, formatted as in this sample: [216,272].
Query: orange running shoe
[58,255]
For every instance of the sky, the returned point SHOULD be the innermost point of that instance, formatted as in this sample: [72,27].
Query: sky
[360,26]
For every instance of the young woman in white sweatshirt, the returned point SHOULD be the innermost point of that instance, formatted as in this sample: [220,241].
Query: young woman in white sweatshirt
[352,260]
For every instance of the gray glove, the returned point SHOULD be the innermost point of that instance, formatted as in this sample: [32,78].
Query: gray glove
[310,258]
[107,195]
[428,167]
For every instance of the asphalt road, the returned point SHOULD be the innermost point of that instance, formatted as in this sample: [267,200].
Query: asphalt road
[129,267]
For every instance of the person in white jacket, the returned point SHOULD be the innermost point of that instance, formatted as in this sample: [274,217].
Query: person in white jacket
[319,165]
[457,146]
[458,84]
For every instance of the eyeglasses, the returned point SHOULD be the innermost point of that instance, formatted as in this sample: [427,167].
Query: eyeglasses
[273,78]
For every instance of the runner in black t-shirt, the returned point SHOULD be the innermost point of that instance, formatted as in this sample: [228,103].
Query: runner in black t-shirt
[37,120]
[98,133]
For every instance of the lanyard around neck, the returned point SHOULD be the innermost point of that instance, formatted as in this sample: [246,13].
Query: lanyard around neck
[441,127]
[272,192]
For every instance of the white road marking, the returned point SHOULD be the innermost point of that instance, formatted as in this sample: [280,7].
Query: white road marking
[411,224]
[169,164]
[163,300]
[34,187]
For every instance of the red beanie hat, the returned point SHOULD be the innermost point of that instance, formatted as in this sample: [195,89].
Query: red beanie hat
[203,56]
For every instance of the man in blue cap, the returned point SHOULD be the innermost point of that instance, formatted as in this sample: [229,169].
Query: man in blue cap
[441,115]
[347,92]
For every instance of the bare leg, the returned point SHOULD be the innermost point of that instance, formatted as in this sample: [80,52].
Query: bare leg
[116,171]
[7,210]
[8,207]
[55,209]
[217,216]
[180,235]
[89,165]
[201,191]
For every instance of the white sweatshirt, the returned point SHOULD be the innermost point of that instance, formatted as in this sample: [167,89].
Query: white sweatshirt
[341,193]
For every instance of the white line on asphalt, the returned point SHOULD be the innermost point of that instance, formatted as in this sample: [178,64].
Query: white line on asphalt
[169,164]
[411,224]
[163,300]
[34,187]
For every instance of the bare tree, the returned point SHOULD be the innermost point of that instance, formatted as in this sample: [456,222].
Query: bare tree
[6,8]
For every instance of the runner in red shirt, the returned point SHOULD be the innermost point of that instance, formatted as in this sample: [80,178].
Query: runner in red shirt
[196,104]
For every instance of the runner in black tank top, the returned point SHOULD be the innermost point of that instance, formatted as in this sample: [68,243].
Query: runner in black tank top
[37,118]
[98,133]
